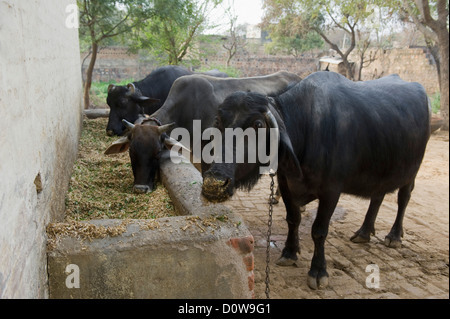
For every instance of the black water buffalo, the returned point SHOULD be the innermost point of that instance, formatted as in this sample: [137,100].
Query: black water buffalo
[143,97]
[194,97]
[335,136]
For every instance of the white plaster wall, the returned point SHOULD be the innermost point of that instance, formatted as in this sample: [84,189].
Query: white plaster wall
[40,122]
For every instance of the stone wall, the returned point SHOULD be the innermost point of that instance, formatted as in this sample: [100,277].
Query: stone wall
[40,117]
[413,65]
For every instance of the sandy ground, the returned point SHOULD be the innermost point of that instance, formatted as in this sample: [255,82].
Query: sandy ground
[419,269]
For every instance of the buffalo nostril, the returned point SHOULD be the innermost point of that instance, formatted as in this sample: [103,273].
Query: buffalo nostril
[226,183]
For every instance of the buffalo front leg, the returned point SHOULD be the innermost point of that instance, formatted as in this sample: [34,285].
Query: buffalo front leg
[394,238]
[368,226]
[317,275]
[293,218]
[276,198]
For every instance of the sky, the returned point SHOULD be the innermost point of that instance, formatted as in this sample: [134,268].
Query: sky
[247,11]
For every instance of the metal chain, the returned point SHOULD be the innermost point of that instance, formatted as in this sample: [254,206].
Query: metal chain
[269,232]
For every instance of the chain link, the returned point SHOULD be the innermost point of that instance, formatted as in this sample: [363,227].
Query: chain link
[269,232]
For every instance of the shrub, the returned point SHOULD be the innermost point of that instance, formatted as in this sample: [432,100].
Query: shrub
[436,102]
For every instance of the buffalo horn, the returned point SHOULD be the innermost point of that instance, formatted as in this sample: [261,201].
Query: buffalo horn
[271,119]
[111,87]
[164,128]
[131,87]
[128,124]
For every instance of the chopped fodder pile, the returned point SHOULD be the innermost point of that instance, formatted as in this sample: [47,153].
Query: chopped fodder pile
[82,230]
[101,186]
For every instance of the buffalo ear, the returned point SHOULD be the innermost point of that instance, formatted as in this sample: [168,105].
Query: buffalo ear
[119,146]
[131,87]
[171,142]
[287,160]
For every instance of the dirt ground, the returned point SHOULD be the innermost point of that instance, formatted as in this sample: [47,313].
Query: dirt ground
[417,270]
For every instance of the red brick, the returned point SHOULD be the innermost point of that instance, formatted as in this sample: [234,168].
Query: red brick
[249,262]
[251,282]
[244,245]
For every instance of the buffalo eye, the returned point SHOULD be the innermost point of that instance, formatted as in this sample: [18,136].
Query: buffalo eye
[258,124]
[217,122]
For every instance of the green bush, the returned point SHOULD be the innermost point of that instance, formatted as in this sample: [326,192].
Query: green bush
[436,102]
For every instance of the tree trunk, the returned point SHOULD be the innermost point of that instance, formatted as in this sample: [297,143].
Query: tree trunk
[348,68]
[90,70]
[361,65]
[444,76]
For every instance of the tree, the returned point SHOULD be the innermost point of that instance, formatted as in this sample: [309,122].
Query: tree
[235,39]
[294,45]
[304,16]
[105,19]
[173,31]
[362,47]
[431,18]
[373,36]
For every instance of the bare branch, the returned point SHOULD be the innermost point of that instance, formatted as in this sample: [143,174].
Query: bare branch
[340,26]
[332,45]
[427,19]
[418,22]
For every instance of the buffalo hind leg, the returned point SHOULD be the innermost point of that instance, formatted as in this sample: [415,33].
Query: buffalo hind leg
[317,275]
[368,226]
[393,239]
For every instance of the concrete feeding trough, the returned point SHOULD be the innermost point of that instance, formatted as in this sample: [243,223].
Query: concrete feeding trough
[206,252]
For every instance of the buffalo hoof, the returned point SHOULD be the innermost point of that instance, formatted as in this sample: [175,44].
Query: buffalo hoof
[392,242]
[317,282]
[142,189]
[286,262]
[360,238]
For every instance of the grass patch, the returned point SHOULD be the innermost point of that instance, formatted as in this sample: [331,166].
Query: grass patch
[101,186]
[232,72]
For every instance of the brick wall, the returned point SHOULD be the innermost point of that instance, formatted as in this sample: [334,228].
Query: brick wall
[254,65]
[116,64]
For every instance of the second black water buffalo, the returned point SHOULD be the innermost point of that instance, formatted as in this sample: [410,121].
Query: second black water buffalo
[336,136]
[143,97]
